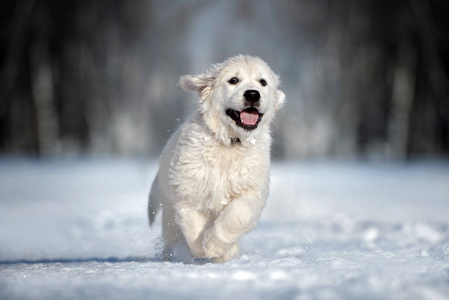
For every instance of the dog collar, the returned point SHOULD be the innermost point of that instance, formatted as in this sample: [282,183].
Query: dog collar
[235,141]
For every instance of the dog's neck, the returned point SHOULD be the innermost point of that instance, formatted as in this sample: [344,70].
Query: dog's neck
[235,141]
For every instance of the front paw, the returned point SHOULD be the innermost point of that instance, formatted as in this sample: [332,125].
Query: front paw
[213,246]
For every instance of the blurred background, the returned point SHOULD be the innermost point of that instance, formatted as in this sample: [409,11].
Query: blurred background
[363,78]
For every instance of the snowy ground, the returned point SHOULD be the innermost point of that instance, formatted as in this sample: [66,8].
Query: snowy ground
[77,229]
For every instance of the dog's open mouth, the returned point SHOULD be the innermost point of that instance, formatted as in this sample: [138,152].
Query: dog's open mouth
[248,118]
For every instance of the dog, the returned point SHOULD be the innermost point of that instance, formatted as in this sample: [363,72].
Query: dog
[213,177]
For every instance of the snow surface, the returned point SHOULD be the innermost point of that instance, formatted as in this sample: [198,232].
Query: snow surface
[77,229]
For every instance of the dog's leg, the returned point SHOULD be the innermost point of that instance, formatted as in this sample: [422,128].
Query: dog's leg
[193,224]
[239,217]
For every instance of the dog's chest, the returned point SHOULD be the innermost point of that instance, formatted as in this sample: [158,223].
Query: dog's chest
[215,176]
[230,175]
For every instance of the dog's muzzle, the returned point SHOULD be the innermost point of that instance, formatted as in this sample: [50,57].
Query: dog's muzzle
[249,118]
[252,96]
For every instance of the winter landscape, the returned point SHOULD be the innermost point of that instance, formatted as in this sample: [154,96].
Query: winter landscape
[359,202]
[77,229]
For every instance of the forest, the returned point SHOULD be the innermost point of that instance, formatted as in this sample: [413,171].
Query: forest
[363,78]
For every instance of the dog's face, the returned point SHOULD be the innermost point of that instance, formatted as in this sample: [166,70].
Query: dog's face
[237,97]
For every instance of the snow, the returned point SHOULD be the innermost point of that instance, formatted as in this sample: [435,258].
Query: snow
[77,229]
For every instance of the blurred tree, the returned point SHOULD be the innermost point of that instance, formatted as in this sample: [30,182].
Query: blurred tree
[376,82]
[362,78]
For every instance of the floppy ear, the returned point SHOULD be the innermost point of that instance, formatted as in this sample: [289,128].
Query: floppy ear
[196,83]
[201,83]
[280,99]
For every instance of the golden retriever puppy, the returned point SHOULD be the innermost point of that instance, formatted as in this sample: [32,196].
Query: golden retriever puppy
[213,178]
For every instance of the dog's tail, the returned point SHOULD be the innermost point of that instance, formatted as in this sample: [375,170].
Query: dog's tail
[154,201]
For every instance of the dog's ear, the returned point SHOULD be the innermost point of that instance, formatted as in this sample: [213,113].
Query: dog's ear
[196,83]
[280,99]
[201,83]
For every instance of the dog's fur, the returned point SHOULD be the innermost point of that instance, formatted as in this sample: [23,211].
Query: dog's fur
[213,177]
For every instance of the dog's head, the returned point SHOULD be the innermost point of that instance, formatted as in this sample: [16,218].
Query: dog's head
[237,97]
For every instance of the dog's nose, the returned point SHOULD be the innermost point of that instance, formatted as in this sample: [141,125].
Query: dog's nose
[252,96]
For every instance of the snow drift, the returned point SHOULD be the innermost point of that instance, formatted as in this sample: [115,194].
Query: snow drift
[78,229]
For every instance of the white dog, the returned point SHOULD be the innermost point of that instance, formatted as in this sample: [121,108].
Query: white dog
[213,177]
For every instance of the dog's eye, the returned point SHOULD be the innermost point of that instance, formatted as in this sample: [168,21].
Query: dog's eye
[263,82]
[233,80]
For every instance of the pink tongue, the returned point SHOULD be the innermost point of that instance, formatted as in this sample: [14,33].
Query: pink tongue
[249,118]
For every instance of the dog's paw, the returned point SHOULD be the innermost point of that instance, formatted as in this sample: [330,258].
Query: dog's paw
[233,252]
[213,246]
